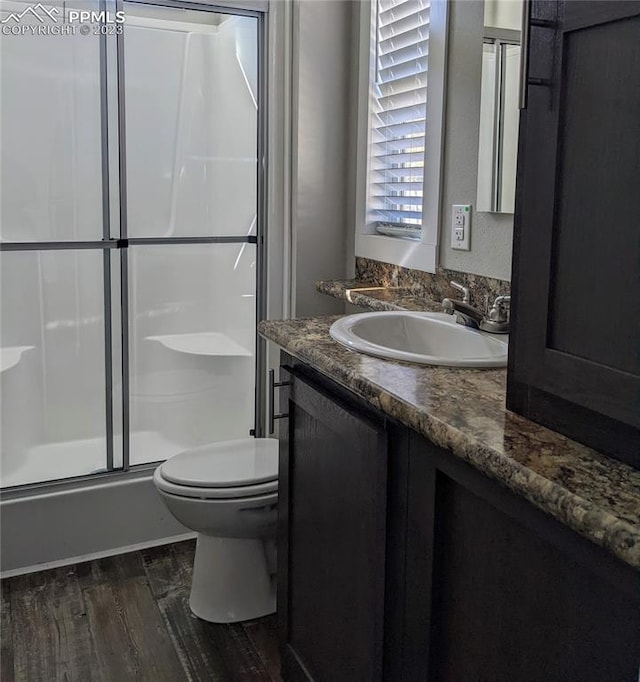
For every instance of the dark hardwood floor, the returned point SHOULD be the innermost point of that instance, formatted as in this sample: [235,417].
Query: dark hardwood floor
[125,618]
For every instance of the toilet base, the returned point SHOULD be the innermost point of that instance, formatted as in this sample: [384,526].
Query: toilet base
[233,579]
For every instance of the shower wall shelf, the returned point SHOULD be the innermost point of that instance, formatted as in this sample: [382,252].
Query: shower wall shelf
[203,343]
[10,356]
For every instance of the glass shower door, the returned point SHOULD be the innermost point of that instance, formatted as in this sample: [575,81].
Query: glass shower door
[53,387]
[190,86]
[129,264]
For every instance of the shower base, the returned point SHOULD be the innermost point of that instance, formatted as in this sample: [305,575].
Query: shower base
[55,461]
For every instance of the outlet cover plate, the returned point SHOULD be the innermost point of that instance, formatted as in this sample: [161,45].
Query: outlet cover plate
[460,226]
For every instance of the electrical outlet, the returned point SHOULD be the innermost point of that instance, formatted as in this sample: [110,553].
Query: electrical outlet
[460,226]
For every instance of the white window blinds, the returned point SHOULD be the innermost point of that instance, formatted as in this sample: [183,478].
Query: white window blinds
[399,115]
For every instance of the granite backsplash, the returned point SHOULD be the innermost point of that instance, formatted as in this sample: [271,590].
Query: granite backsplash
[433,286]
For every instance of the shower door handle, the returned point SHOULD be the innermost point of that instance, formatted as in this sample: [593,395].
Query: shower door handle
[273,384]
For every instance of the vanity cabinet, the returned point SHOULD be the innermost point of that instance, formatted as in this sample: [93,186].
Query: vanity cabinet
[400,562]
[574,364]
[497,590]
[331,536]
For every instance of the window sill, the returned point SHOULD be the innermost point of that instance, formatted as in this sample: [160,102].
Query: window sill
[408,253]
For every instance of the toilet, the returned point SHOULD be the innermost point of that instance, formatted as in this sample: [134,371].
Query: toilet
[228,493]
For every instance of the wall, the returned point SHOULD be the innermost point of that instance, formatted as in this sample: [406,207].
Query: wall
[491,234]
[320,135]
[503,13]
[325,41]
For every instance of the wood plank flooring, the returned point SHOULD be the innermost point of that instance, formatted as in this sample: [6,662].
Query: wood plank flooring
[125,618]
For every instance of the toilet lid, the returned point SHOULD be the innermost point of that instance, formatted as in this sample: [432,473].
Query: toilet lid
[222,465]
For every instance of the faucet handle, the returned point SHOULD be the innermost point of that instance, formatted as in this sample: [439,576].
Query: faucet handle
[499,311]
[466,294]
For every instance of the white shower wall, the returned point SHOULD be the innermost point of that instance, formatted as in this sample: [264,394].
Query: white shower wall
[191,128]
[192,343]
[191,122]
[50,127]
[50,301]
[192,171]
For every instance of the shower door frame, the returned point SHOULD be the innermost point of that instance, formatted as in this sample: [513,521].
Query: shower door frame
[108,243]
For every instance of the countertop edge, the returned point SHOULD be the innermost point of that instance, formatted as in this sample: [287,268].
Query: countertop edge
[363,295]
[616,535]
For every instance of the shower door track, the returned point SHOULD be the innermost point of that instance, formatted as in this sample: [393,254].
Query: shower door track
[121,243]
[106,244]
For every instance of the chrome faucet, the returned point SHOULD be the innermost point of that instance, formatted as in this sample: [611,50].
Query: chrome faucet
[496,321]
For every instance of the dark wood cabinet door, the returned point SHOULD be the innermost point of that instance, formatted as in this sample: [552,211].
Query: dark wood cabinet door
[331,538]
[574,358]
[497,591]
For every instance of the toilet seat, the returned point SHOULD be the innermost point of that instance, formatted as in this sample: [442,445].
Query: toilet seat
[232,469]
[213,493]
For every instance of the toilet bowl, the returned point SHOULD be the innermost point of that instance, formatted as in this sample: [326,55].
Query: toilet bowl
[227,492]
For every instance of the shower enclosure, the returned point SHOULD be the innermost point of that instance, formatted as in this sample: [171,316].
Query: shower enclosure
[131,237]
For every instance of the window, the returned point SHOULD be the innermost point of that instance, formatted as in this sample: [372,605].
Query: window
[400,130]
[398,116]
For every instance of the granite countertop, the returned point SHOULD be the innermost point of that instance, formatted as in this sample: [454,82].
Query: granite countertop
[372,297]
[463,411]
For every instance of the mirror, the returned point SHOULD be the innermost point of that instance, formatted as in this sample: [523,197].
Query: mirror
[499,115]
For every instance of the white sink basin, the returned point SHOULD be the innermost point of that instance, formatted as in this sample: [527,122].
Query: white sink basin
[426,338]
